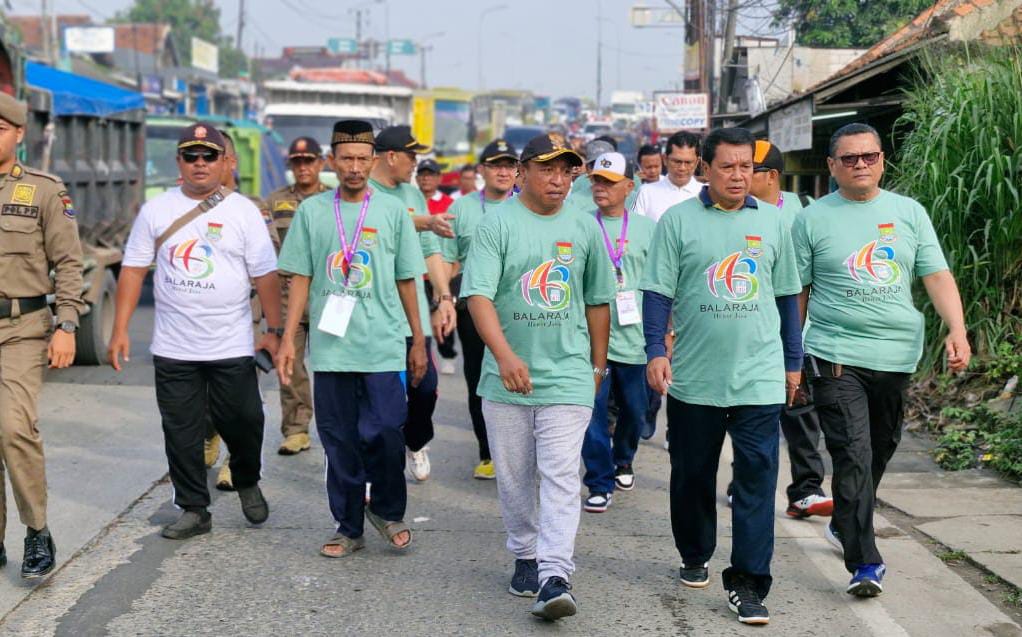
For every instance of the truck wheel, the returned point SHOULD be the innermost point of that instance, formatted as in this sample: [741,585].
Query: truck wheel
[97,326]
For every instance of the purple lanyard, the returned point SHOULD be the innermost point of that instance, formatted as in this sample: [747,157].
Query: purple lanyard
[780,200]
[346,249]
[616,255]
[482,199]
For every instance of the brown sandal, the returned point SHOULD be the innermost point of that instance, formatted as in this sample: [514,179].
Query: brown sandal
[348,544]
[390,530]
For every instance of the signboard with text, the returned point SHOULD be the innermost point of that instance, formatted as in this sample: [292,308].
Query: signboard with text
[401,47]
[205,55]
[89,39]
[791,128]
[675,111]
[342,45]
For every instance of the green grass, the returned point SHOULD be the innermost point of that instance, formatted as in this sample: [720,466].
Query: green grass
[952,556]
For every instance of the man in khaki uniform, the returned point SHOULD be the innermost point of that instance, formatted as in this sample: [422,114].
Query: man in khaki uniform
[37,232]
[305,158]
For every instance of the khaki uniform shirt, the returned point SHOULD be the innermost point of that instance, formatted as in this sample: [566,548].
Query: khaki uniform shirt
[282,204]
[38,232]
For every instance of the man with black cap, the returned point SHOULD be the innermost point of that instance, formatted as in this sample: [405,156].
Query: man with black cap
[38,234]
[207,243]
[538,287]
[427,177]
[497,163]
[800,423]
[354,257]
[305,159]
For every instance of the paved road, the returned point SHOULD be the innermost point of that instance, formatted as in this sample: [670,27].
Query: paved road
[105,454]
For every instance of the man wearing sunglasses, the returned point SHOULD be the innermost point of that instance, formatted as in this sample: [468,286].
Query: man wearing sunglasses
[858,251]
[202,342]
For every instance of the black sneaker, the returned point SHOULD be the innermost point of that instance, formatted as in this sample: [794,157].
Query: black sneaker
[743,599]
[3,556]
[555,600]
[253,504]
[40,554]
[190,524]
[624,478]
[695,576]
[525,581]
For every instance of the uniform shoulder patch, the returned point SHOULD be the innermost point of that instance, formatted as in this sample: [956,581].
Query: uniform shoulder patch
[69,208]
[35,172]
[284,204]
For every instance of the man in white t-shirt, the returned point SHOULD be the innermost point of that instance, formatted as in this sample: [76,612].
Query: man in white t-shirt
[202,337]
[682,157]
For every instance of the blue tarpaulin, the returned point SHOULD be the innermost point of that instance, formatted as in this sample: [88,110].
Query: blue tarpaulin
[79,95]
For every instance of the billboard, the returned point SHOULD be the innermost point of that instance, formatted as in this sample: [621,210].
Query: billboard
[205,56]
[89,39]
[675,110]
[791,128]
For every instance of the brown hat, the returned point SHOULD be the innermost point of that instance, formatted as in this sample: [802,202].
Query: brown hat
[13,110]
[201,134]
[304,147]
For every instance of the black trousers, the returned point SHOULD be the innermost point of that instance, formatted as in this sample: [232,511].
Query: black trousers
[473,348]
[861,412]
[801,428]
[228,390]
[418,427]
[446,348]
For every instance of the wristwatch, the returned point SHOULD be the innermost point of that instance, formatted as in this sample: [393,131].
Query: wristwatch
[434,304]
[68,326]
[279,331]
[602,373]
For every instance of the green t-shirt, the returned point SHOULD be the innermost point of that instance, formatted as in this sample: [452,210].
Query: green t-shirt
[415,204]
[627,342]
[861,258]
[468,211]
[540,272]
[388,251]
[723,270]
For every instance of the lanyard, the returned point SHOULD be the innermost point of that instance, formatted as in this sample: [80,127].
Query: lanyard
[346,249]
[616,254]
[780,200]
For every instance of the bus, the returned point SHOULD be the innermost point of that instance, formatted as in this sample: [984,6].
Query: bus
[442,118]
[493,111]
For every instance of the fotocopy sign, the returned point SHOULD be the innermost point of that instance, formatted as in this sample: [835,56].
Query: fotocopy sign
[676,111]
[792,128]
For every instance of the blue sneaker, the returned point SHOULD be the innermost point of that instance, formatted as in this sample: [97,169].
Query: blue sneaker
[555,601]
[866,581]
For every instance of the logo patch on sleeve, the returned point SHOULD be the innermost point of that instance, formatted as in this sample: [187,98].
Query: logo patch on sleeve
[69,208]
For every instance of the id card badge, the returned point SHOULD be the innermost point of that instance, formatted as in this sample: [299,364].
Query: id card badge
[337,314]
[627,308]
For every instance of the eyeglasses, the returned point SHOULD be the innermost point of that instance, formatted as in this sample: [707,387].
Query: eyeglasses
[207,156]
[851,161]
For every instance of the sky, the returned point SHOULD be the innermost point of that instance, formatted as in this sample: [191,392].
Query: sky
[547,46]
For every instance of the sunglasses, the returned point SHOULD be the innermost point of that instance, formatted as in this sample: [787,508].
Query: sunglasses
[207,156]
[851,161]
[302,161]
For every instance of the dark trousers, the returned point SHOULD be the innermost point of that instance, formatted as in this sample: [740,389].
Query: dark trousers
[861,412]
[359,417]
[473,349]
[655,400]
[696,434]
[228,391]
[418,427]
[601,452]
[801,428]
[446,349]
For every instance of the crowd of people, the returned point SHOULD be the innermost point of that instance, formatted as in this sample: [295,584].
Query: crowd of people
[585,289]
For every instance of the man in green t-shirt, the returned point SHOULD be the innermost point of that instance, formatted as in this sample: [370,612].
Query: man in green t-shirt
[626,238]
[497,164]
[391,174]
[859,250]
[800,424]
[354,256]
[725,264]
[538,288]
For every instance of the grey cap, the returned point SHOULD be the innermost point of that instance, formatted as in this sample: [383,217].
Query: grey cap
[13,110]
[596,148]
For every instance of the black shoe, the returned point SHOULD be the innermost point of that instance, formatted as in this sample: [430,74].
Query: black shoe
[695,576]
[190,524]
[40,554]
[525,581]
[743,599]
[624,478]
[555,600]
[253,504]
[3,556]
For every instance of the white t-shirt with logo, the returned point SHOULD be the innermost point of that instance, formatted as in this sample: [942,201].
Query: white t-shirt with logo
[202,274]
[655,198]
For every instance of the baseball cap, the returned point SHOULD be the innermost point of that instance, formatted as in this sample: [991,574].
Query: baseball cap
[429,165]
[352,131]
[13,110]
[549,146]
[612,166]
[399,139]
[498,149]
[304,147]
[596,148]
[201,134]
[766,156]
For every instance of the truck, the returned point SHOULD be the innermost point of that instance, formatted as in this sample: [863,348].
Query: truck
[92,135]
[442,119]
[625,107]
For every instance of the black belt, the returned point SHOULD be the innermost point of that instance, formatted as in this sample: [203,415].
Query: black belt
[30,304]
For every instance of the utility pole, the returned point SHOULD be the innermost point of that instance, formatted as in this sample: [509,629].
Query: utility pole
[709,44]
[422,64]
[727,67]
[599,53]
[241,24]
[44,27]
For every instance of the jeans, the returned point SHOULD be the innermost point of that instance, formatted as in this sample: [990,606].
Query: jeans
[601,452]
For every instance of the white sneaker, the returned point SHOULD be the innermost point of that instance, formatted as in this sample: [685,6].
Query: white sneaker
[446,366]
[418,464]
[667,445]
[369,489]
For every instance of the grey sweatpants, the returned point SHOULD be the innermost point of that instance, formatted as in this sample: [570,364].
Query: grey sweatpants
[544,444]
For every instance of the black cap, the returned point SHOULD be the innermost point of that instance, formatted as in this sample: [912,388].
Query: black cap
[429,165]
[352,131]
[766,156]
[304,147]
[399,139]
[201,134]
[498,149]
[549,146]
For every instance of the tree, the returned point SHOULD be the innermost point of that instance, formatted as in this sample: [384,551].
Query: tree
[188,18]
[846,23]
